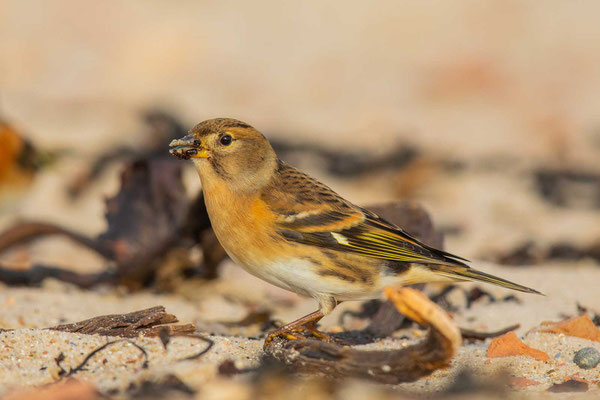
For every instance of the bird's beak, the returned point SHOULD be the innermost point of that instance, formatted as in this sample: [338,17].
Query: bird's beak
[187,147]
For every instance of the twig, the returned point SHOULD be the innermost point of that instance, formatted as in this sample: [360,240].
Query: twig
[474,335]
[87,358]
[200,354]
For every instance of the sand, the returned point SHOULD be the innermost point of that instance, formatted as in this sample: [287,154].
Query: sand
[488,93]
[27,353]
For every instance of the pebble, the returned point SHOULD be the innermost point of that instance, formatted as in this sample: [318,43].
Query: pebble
[587,358]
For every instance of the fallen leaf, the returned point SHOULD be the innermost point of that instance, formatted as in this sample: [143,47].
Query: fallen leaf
[581,327]
[510,345]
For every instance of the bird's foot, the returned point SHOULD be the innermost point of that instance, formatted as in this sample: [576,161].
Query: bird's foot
[295,334]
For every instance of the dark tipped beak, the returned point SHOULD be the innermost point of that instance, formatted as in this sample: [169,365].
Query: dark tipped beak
[186,147]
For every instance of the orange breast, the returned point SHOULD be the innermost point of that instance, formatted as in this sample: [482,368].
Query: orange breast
[244,226]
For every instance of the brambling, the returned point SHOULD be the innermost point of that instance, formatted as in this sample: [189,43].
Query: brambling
[291,230]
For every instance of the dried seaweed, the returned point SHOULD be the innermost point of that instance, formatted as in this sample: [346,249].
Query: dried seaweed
[149,322]
[393,366]
[147,218]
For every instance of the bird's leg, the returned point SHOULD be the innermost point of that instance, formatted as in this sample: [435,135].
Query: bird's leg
[306,323]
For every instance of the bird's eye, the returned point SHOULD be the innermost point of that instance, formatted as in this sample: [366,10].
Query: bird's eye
[225,140]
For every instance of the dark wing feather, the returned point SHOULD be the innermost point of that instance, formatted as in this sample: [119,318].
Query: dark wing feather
[320,217]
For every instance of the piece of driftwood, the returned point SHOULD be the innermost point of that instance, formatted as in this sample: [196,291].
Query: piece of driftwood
[392,366]
[149,322]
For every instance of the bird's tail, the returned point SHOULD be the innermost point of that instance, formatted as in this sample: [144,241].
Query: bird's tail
[470,274]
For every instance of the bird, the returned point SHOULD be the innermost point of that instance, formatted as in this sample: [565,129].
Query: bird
[294,232]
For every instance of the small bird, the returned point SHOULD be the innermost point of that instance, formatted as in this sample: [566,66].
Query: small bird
[293,231]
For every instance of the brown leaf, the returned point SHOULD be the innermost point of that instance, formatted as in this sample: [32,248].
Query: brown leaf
[510,345]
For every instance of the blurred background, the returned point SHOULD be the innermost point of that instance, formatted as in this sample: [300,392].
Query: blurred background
[486,114]
[489,97]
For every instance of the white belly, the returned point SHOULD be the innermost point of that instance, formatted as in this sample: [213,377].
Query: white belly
[299,276]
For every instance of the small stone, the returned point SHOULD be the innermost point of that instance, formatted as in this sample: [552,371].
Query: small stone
[587,358]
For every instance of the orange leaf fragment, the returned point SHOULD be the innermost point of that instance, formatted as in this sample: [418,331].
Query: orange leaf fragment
[510,345]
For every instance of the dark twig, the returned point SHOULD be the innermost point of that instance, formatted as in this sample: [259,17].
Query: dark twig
[87,358]
[200,354]
[475,335]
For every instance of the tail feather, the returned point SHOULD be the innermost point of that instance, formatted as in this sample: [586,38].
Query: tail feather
[471,274]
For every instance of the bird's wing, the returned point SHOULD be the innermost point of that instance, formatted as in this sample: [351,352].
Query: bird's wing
[309,212]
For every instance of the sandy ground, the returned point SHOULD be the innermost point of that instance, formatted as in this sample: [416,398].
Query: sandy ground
[27,354]
[502,88]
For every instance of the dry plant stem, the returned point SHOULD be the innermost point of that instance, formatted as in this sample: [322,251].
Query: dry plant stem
[148,322]
[393,366]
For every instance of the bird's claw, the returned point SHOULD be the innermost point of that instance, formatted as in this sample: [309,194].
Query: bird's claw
[289,335]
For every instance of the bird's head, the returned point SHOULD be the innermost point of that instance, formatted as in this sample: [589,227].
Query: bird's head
[227,150]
